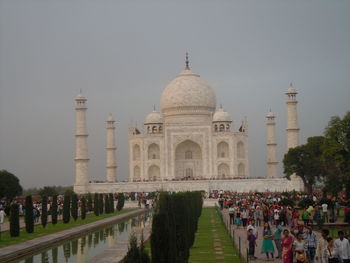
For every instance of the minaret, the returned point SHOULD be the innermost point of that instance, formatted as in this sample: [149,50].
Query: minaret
[81,149]
[111,160]
[271,146]
[292,118]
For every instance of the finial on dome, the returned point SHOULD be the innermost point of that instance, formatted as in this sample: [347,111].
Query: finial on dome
[154,107]
[220,106]
[187,62]
[291,84]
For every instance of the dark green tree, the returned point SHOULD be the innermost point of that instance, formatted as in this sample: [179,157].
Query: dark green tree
[48,191]
[96,205]
[111,200]
[66,209]
[107,210]
[74,207]
[89,203]
[306,162]
[29,217]
[121,200]
[9,186]
[54,209]
[14,220]
[83,208]
[101,204]
[44,211]
[136,254]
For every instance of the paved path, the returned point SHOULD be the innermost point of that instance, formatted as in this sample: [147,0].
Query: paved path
[21,249]
[240,237]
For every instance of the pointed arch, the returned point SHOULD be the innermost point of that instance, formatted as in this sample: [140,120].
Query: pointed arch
[137,173]
[154,173]
[223,171]
[136,152]
[222,150]
[153,152]
[241,170]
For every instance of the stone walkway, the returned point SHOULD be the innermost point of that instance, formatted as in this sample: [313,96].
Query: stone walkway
[24,248]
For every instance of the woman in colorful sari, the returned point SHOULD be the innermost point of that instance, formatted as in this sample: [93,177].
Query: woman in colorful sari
[287,245]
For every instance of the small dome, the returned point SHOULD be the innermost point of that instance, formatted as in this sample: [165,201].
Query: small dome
[270,114]
[188,93]
[154,117]
[221,115]
[80,96]
[110,118]
[291,90]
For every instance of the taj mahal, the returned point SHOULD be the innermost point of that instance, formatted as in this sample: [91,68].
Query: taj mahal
[191,144]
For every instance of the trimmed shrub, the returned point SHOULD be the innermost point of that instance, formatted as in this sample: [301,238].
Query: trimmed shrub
[83,208]
[121,200]
[107,210]
[54,208]
[14,220]
[136,254]
[66,209]
[74,207]
[29,216]
[111,205]
[44,211]
[100,205]
[96,204]
[89,203]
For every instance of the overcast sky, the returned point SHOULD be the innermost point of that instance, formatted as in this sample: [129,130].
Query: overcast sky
[123,53]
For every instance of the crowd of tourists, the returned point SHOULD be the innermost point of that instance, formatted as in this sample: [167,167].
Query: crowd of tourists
[286,232]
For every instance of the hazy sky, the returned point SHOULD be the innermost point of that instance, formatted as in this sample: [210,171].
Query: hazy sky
[123,53]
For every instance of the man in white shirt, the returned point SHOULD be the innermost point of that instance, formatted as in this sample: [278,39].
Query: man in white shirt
[343,246]
[253,228]
[325,212]
[2,215]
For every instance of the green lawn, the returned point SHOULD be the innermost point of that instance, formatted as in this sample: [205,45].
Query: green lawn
[212,243]
[39,231]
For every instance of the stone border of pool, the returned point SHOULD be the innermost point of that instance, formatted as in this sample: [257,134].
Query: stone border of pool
[22,249]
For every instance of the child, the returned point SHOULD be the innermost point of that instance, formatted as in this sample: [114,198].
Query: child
[251,244]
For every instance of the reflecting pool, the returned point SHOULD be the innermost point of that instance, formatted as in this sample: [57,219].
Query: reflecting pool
[87,246]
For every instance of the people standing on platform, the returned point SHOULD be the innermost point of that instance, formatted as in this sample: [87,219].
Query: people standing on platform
[252,227]
[231,212]
[331,253]
[244,217]
[311,243]
[343,247]
[299,248]
[251,244]
[238,218]
[287,245]
[267,245]
[325,212]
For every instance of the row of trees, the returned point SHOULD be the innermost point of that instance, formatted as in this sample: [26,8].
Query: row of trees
[174,226]
[101,204]
[324,159]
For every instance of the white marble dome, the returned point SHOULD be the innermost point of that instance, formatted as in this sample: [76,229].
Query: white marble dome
[188,92]
[221,115]
[154,117]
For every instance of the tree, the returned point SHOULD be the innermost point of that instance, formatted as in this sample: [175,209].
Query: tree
[96,204]
[29,216]
[44,211]
[10,186]
[74,207]
[136,254]
[305,161]
[66,209]
[336,154]
[121,200]
[111,200]
[48,191]
[107,210]
[54,209]
[100,205]
[14,220]
[89,203]
[83,208]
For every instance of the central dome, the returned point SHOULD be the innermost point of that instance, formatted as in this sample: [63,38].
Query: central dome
[188,94]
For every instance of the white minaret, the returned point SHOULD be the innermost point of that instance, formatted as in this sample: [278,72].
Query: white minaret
[111,160]
[292,118]
[271,146]
[81,149]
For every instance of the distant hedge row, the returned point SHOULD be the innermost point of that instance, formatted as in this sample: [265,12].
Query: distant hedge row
[174,226]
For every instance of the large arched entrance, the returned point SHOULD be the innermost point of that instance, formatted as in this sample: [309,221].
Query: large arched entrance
[188,160]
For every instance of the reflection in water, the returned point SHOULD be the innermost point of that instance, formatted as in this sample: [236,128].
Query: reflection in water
[81,250]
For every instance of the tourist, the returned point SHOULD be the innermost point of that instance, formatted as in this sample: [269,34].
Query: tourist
[331,252]
[267,245]
[343,247]
[2,215]
[258,216]
[231,212]
[287,245]
[244,217]
[299,248]
[311,242]
[325,212]
[321,247]
[251,244]
[252,227]
[305,217]
[238,218]
[277,238]
[276,216]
